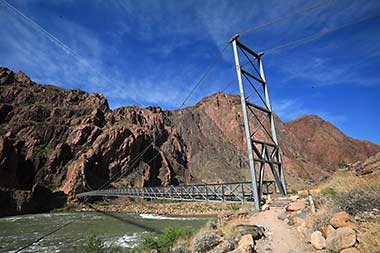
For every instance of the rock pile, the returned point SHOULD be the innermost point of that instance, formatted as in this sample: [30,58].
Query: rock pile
[339,235]
[240,238]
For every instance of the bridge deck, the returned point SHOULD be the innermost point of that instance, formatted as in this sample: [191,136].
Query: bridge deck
[224,192]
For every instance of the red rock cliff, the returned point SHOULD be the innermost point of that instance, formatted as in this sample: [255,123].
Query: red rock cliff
[56,142]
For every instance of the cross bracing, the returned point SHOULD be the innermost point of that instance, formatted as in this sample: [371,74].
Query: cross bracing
[223,192]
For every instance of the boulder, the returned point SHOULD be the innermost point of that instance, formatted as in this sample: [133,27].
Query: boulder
[364,171]
[341,238]
[246,243]
[327,230]
[282,216]
[350,250]
[223,247]
[341,219]
[206,241]
[280,202]
[295,206]
[257,232]
[317,240]
[304,229]
[298,221]
[265,207]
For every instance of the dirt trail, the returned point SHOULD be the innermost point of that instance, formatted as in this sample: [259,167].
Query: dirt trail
[281,238]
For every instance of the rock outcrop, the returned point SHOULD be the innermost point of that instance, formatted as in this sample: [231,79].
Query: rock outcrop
[340,239]
[342,219]
[312,148]
[69,141]
[317,240]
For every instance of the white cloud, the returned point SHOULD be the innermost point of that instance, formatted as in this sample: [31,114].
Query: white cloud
[164,27]
[290,109]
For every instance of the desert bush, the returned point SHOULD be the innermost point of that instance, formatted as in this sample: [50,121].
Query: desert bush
[342,165]
[328,192]
[164,242]
[324,214]
[205,241]
[94,244]
[233,207]
[353,194]
[359,199]
[168,121]
[323,178]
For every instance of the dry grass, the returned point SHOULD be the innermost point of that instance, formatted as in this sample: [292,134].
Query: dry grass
[370,237]
[355,195]
[323,215]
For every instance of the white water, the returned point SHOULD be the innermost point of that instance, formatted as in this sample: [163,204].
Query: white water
[160,217]
[126,231]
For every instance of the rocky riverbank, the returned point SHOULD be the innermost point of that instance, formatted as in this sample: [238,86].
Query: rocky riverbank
[162,208]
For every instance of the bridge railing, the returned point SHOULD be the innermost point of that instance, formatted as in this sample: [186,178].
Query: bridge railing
[223,192]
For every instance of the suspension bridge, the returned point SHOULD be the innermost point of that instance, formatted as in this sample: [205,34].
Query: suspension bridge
[263,151]
[237,192]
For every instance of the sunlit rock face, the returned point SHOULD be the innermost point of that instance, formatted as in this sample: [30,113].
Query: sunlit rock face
[56,142]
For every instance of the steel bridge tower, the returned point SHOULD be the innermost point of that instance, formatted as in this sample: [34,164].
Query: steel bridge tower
[262,144]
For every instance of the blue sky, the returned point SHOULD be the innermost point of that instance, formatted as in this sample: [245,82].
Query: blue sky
[151,52]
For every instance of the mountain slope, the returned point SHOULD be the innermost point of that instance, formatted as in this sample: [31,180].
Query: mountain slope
[56,142]
[213,130]
[69,141]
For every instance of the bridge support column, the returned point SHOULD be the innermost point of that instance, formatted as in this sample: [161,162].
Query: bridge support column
[264,149]
[246,124]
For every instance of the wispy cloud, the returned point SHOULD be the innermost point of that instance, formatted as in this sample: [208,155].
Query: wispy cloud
[290,109]
[154,51]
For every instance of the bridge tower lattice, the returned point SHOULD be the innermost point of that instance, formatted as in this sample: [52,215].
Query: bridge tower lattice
[262,144]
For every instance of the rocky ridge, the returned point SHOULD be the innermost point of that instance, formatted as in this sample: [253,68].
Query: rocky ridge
[69,141]
[56,142]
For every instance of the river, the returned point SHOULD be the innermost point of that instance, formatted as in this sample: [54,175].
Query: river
[124,230]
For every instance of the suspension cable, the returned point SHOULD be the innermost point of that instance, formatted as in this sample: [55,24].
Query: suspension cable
[320,34]
[278,20]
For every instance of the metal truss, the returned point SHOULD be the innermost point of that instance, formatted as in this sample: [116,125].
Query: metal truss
[262,144]
[225,192]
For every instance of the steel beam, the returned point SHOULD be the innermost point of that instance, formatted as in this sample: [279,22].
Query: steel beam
[272,157]
[273,127]
[240,192]
[246,123]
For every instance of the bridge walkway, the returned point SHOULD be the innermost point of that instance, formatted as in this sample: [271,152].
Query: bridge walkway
[224,192]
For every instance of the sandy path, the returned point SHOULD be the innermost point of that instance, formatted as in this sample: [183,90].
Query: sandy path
[281,238]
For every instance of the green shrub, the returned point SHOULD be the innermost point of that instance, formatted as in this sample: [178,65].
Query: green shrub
[342,165]
[2,130]
[164,242]
[168,121]
[47,150]
[328,192]
[94,244]
[233,207]
[205,241]
[323,178]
